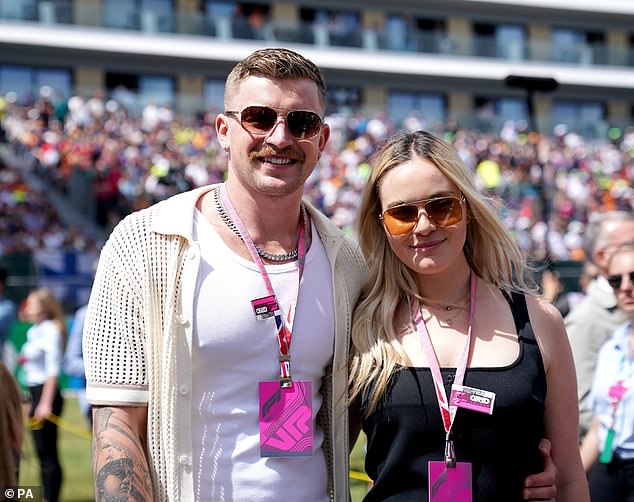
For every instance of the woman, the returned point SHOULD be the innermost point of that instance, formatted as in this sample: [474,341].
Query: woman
[41,356]
[608,447]
[446,303]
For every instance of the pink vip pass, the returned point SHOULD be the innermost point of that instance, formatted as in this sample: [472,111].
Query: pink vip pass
[449,484]
[471,398]
[286,419]
[265,307]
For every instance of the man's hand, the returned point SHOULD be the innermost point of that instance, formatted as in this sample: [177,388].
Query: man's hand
[542,486]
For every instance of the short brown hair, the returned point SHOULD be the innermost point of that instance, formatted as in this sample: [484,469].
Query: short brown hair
[275,63]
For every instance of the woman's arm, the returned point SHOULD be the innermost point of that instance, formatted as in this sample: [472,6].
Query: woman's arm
[44,407]
[590,446]
[562,408]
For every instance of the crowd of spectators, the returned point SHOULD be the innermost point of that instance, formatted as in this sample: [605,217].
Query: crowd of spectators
[546,187]
[29,221]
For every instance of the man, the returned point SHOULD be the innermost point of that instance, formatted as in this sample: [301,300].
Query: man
[195,305]
[597,315]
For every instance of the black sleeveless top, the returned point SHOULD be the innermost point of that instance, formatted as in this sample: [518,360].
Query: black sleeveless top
[405,431]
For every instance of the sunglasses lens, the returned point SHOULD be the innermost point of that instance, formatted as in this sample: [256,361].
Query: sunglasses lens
[258,119]
[614,281]
[444,212]
[303,124]
[400,220]
[261,119]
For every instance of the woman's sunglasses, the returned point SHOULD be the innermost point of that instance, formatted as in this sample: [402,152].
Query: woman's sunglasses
[442,211]
[616,280]
[259,120]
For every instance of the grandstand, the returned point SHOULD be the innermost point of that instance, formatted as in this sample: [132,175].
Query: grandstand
[445,59]
[107,106]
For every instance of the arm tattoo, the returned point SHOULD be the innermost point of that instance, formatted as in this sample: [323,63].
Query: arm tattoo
[119,459]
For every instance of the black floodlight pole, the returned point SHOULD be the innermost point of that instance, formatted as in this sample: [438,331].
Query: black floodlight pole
[532,85]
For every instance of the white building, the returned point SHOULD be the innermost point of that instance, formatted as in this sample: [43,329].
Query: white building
[441,59]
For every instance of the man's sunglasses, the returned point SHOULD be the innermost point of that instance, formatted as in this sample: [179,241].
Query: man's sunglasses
[442,211]
[259,120]
[616,280]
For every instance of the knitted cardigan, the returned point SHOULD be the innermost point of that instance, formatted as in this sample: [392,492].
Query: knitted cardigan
[138,337]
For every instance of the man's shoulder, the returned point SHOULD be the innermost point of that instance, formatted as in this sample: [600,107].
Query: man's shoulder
[164,217]
[586,314]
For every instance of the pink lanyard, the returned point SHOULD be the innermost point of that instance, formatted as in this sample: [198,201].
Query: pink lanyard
[284,327]
[618,390]
[447,411]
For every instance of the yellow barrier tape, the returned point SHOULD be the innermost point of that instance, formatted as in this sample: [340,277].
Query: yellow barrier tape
[62,424]
[83,433]
[360,476]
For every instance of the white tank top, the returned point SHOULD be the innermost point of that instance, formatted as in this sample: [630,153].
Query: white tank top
[233,352]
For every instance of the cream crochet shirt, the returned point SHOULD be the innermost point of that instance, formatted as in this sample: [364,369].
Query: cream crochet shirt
[138,333]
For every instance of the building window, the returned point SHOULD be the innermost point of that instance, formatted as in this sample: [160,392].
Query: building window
[135,91]
[417,110]
[334,27]
[228,19]
[511,109]
[213,95]
[491,113]
[26,81]
[18,9]
[588,118]
[507,41]
[157,89]
[410,33]
[510,41]
[343,99]
[146,15]
[571,45]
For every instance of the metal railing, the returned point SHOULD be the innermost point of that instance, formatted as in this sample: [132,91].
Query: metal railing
[321,34]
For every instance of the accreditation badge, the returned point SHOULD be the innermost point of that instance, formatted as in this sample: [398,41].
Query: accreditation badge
[471,398]
[449,484]
[286,419]
[264,307]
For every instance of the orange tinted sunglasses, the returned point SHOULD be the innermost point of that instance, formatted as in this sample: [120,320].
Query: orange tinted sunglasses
[441,211]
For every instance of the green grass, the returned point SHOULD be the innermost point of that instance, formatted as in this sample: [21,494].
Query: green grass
[74,452]
[76,463]
[358,488]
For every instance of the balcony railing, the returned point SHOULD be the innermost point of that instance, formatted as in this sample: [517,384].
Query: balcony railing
[319,34]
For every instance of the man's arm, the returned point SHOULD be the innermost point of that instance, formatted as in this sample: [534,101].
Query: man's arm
[119,454]
[542,486]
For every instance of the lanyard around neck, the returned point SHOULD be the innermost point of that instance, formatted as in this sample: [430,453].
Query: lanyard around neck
[284,326]
[447,411]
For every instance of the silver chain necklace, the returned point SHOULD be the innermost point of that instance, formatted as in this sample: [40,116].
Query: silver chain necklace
[291,255]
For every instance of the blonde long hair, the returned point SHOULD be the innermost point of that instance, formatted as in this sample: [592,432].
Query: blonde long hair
[11,428]
[489,249]
[52,310]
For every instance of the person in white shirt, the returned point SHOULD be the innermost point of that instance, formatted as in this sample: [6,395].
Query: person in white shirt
[608,447]
[590,323]
[41,357]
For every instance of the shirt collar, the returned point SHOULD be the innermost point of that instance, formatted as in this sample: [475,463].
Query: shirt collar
[175,216]
[621,336]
